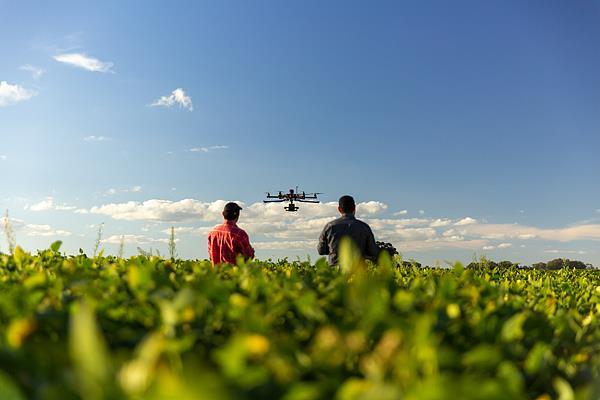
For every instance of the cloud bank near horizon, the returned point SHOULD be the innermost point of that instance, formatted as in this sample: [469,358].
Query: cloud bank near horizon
[278,228]
[273,229]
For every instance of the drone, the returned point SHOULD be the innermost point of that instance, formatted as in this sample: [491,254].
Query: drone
[291,196]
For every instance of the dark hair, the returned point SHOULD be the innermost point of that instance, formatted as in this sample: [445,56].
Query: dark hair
[347,204]
[230,215]
[231,211]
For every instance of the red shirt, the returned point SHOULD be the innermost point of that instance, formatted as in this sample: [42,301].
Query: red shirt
[226,241]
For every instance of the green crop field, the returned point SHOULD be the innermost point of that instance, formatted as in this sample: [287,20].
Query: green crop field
[152,328]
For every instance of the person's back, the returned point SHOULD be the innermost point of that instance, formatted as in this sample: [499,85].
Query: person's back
[347,226]
[227,240]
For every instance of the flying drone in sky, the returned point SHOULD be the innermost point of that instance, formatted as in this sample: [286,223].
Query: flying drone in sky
[291,197]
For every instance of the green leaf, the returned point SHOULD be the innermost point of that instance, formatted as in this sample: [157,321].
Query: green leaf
[19,256]
[458,269]
[56,246]
[564,389]
[513,378]
[512,329]
[484,356]
[8,389]
[538,358]
[88,352]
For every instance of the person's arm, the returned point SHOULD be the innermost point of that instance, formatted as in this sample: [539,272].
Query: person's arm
[372,248]
[210,248]
[323,246]
[246,249]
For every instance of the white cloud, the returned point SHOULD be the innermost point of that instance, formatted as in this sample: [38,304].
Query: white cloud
[133,239]
[113,191]
[526,236]
[93,138]
[189,230]
[466,221]
[49,204]
[286,245]
[14,223]
[440,244]
[44,230]
[401,212]
[177,96]
[64,207]
[412,234]
[382,223]
[440,222]
[163,210]
[208,149]
[304,228]
[453,233]
[80,60]
[33,230]
[44,205]
[516,231]
[371,207]
[270,224]
[11,94]
[3,157]
[196,210]
[557,251]
[36,72]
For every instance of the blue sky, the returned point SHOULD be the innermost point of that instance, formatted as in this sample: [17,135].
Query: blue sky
[481,110]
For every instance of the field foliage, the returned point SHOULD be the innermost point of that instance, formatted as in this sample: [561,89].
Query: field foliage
[152,328]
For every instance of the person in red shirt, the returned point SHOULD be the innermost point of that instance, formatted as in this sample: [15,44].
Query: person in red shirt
[227,240]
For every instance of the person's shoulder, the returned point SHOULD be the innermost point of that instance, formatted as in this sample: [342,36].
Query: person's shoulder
[218,228]
[362,223]
[334,222]
[238,231]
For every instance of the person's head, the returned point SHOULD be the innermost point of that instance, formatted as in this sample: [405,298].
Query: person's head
[231,211]
[346,205]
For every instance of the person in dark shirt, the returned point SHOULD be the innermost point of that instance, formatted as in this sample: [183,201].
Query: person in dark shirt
[347,225]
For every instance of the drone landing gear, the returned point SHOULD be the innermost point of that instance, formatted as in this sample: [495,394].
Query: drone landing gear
[291,207]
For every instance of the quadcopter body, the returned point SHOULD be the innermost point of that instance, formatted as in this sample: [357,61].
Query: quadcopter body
[291,197]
